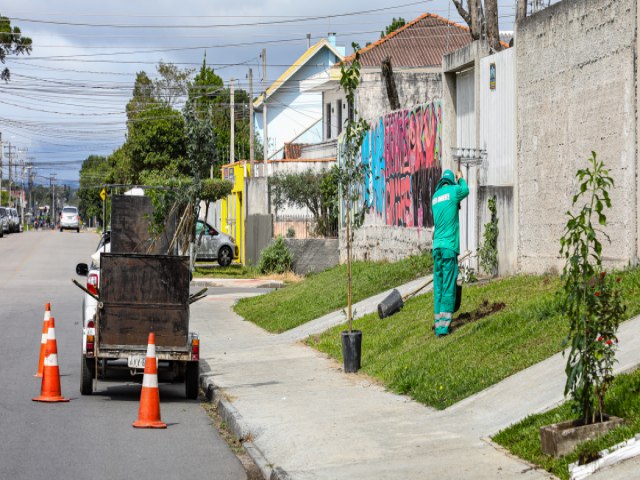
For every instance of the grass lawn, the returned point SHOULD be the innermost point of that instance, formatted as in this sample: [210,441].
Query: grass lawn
[523,438]
[208,270]
[403,353]
[325,292]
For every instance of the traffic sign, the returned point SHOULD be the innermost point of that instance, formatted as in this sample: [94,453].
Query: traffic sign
[103,194]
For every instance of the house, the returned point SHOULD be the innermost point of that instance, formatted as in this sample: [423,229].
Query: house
[402,102]
[294,113]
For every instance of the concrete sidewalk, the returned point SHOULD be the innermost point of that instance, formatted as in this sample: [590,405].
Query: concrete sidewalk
[306,419]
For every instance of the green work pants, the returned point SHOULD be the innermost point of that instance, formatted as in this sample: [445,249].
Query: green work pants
[445,275]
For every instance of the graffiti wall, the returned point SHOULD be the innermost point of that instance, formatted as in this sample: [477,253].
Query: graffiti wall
[403,151]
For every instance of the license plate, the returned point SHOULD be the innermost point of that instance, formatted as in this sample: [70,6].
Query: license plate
[136,361]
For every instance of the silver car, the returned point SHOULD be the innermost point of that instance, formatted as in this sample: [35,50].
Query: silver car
[16,226]
[4,221]
[69,219]
[215,245]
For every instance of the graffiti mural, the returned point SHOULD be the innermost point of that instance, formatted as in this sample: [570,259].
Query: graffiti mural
[403,152]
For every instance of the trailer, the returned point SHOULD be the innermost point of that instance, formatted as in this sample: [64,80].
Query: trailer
[138,293]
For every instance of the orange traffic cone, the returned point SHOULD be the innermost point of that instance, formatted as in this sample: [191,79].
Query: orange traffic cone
[43,340]
[50,390]
[149,414]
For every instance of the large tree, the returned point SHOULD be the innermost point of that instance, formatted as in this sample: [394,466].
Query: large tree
[480,21]
[395,24]
[11,43]
[155,137]
[210,98]
[172,84]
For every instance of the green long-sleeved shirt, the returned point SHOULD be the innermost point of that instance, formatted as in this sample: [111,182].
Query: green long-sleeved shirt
[445,203]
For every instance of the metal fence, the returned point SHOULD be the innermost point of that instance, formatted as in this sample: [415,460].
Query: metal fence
[304,225]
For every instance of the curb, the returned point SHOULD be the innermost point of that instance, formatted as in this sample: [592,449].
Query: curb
[230,283]
[238,427]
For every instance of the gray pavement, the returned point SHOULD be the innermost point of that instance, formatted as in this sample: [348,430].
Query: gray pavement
[307,418]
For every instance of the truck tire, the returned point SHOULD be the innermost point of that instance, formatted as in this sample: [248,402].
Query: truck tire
[192,380]
[87,371]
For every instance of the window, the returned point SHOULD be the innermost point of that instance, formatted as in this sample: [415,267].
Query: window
[350,113]
[339,116]
[327,121]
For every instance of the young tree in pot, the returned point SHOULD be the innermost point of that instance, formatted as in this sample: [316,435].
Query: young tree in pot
[351,175]
[591,301]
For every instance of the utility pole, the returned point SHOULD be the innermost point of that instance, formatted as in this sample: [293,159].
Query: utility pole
[53,198]
[11,149]
[265,140]
[252,153]
[232,118]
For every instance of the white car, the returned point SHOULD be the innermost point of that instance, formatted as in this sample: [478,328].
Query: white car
[215,245]
[70,220]
[92,272]
[16,226]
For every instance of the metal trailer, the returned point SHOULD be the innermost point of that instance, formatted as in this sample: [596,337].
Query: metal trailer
[141,293]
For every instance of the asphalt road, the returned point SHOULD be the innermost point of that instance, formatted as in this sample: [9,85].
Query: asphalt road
[91,436]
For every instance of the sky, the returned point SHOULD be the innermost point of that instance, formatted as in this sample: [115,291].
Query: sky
[67,99]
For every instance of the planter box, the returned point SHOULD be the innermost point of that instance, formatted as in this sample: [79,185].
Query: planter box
[561,438]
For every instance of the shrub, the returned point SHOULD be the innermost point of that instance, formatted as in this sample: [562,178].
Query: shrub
[276,258]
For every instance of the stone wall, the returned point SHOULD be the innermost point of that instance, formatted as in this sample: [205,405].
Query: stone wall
[377,243]
[576,92]
[313,254]
[415,86]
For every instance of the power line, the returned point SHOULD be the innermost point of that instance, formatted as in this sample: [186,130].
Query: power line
[218,25]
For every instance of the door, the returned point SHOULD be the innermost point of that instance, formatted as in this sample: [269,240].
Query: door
[466,139]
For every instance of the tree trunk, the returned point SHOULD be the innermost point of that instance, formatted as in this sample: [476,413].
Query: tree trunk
[472,17]
[521,12]
[390,83]
[493,32]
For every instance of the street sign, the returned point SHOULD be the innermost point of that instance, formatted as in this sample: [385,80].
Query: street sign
[103,194]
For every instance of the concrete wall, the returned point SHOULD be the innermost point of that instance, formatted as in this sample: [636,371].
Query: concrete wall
[505,210]
[313,254]
[415,86]
[377,243]
[403,153]
[576,92]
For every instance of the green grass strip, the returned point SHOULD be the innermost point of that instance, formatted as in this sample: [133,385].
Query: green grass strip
[622,400]
[402,352]
[325,292]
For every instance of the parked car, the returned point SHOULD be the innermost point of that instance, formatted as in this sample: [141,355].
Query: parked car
[92,272]
[69,219]
[4,221]
[15,220]
[215,245]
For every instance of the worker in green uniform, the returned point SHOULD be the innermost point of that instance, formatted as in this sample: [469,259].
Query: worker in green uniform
[445,203]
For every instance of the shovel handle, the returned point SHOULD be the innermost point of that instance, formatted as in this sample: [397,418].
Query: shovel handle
[430,281]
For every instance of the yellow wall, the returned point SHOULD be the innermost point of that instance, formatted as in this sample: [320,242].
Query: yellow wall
[232,214]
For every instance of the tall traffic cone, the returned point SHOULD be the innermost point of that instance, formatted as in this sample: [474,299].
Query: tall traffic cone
[50,390]
[43,339]
[149,413]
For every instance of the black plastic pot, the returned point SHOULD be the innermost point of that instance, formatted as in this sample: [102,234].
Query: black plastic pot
[390,305]
[351,350]
[458,297]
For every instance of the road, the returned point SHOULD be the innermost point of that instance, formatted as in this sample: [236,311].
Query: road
[91,436]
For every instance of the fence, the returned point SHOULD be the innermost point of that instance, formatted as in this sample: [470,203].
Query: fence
[304,225]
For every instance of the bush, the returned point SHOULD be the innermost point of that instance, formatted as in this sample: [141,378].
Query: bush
[276,258]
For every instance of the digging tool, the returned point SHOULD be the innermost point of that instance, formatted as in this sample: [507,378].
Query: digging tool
[394,301]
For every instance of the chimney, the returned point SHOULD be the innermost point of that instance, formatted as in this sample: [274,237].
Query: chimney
[331,37]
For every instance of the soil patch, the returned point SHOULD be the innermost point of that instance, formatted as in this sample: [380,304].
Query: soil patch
[482,311]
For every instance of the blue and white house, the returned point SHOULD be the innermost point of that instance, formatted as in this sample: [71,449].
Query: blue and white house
[294,109]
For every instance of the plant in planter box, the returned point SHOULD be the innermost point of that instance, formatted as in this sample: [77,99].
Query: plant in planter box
[591,299]
[351,176]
